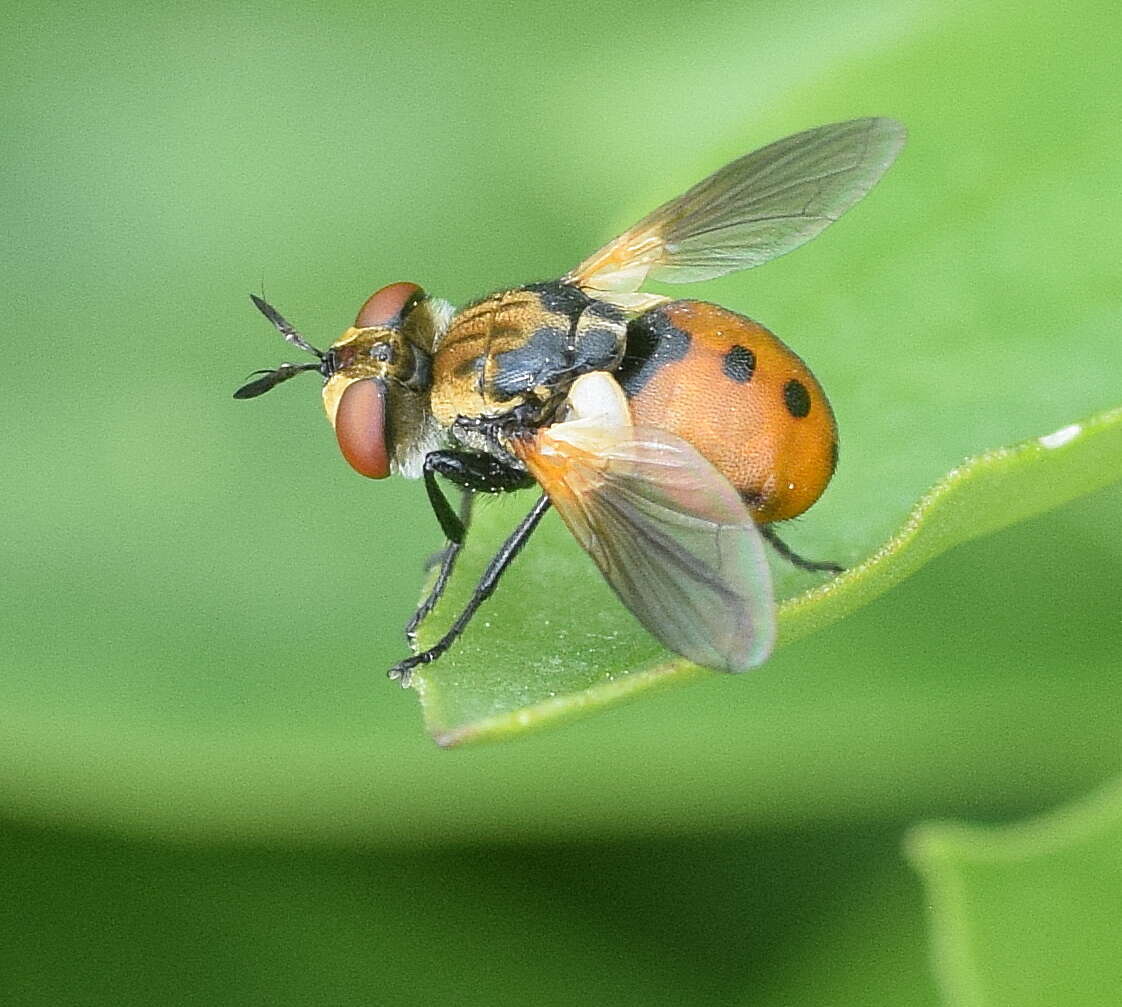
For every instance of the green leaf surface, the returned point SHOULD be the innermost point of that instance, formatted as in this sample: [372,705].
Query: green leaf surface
[1027,914]
[584,652]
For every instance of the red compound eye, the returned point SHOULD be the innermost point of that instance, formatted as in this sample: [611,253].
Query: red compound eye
[388,306]
[360,427]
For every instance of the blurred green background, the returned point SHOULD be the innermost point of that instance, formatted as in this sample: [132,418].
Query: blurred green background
[208,790]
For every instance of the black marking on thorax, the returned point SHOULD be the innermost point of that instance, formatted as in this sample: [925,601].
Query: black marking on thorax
[563,298]
[579,335]
[469,366]
[524,367]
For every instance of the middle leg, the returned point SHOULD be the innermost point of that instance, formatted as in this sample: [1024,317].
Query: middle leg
[473,473]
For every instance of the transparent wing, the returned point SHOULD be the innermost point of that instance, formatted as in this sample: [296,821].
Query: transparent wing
[671,536]
[756,208]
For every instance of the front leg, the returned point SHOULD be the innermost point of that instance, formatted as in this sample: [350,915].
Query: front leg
[480,473]
[447,560]
[474,473]
[403,670]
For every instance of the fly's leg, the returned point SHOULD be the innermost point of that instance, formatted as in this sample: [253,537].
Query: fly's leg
[403,670]
[794,558]
[473,473]
[447,560]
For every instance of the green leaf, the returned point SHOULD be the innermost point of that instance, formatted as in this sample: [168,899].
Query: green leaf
[1027,914]
[583,652]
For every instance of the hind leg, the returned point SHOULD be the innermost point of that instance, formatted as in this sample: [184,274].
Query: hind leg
[794,558]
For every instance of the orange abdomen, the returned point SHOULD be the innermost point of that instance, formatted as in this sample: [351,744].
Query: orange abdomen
[734,391]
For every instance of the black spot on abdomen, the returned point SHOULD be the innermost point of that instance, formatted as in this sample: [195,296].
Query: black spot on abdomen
[739,364]
[653,341]
[796,398]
